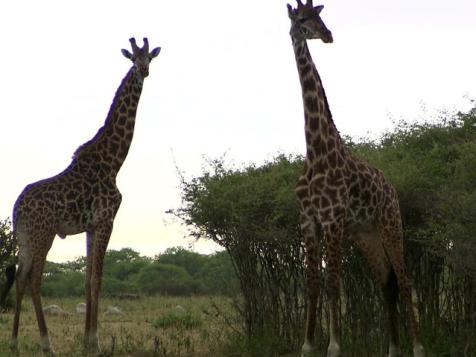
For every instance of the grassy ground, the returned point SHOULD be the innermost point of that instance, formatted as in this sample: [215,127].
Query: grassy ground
[150,326]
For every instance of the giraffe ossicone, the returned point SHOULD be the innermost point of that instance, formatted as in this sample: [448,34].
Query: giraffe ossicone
[82,198]
[343,197]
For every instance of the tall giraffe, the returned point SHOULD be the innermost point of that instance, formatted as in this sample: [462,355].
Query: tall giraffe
[342,196]
[82,198]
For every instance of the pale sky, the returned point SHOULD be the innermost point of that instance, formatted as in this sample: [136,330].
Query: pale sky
[225,81]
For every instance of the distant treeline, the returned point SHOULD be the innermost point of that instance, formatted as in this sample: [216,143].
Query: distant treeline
[175,272]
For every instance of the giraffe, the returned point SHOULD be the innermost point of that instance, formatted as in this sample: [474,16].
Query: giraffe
[82,198]
[343,197]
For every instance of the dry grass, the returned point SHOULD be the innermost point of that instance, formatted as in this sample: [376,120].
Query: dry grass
[150,326]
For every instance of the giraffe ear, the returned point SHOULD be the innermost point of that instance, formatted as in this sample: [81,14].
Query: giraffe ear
[127,54]
[155,52]
[318,8]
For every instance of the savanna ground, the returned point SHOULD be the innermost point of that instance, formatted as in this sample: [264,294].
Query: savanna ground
[149,326]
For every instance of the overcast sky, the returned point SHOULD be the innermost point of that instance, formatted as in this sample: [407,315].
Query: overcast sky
[225,81]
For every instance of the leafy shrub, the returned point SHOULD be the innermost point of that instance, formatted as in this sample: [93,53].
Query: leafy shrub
[178,319]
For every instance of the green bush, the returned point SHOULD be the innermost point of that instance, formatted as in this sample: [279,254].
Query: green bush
[179,319]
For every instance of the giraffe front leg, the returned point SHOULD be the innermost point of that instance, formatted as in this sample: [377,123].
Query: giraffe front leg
[35,282]
[309,232]
[100,240]
[333,233]
[89,259]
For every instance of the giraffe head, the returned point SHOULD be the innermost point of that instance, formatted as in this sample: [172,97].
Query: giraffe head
[306,22]
[141,57]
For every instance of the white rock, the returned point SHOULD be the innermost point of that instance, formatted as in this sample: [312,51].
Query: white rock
[54,310]
[113,310]
[179,309]
[81,308]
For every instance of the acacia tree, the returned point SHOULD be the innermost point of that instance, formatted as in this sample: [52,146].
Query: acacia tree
[433,166]
[8,250]
[252,213]
[8,246]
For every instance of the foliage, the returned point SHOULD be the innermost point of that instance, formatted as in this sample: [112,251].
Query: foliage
[178,318]
[8,249]
[177,271]
[251,211]
[433,167]
[8,246]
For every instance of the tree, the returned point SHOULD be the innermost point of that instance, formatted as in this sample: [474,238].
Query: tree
[8,251]
[166,279]
[8,246]
[252,213]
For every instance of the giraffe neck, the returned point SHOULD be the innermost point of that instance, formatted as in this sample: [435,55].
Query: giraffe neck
[322,136]
[109,147]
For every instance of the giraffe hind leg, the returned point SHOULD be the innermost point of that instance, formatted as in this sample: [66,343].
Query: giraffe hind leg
[390,292]
[22,280]
[35,282]
[368,242]
[392,239]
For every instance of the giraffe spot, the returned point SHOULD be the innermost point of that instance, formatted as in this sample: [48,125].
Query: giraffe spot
[304,70]
[318,181]
[331,192]
[130,126]
[302,61]
[324,202]
[361,167]
[321,166]
[114,147]
[301,192]
[122,109]
[340,159]
[310,154]
[131,113]
[332,158]
[121,120]
[311,104]
[124,149]
[309,85]
[351,165]
[120,131]
[71,195]
[325,215]
[314,123]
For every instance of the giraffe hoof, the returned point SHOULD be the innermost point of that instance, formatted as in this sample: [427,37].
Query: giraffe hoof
[49,353]
[418,351]
[394,351]
[14,346]
[93,349]
[333,350]
[307,350]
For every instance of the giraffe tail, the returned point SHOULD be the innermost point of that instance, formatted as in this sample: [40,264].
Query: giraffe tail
[10,273]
